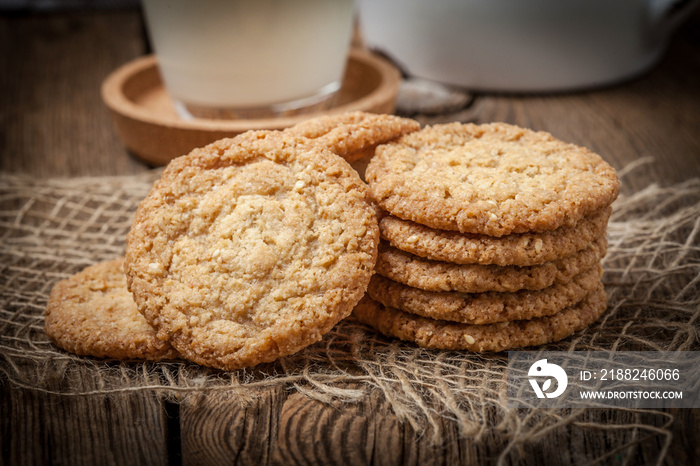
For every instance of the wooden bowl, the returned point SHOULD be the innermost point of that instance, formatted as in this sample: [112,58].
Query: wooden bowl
[148,125]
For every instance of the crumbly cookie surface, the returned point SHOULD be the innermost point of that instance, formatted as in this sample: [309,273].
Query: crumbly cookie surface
[516,249]
[493,179]
[439,334]
[92,313]
[430,275]
[354,135]
[251,248]
[488,307]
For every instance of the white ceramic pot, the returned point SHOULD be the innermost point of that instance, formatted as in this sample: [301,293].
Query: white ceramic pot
[522,45]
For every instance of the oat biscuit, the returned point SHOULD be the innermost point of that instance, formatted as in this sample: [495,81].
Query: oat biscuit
[251,248]
[354,135]
[493,179]
[430,275]
[438,334]
[517,249]
[92,313]
[484,308]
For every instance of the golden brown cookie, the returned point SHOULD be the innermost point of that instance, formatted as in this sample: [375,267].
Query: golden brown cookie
[492,179]
[517,249]
[440,334]
[251,248]
[430,275]
[484,308]
[354,135]
[93,314]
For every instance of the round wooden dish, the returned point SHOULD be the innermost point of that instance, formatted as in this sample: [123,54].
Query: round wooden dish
[148,125]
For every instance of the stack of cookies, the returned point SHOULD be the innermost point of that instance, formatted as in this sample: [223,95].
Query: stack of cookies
[492,237]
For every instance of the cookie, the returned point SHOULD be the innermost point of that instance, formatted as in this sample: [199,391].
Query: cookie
[493,179]
[517,249]
[354,135]
[251,248]
[484,308]
[430,275]
[439,334]
[92,313]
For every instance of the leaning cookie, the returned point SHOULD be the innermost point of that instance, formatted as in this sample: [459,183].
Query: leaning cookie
[251,248]
[353,135]
[430,275]
[523,249]
[440,334]
[484,308]
[492,179]
[93,314]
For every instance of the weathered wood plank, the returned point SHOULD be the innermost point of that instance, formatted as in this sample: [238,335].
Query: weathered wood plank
[40,428]
[52,117]
[217,429]
[303,431]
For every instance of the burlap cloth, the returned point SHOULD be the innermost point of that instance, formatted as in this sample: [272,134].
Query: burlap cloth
[50,229]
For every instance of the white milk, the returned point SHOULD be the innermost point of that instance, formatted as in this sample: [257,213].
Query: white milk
[250,53]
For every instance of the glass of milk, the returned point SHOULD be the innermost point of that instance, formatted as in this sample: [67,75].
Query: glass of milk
[250,58]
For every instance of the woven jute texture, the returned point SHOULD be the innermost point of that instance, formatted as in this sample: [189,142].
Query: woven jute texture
[50,229]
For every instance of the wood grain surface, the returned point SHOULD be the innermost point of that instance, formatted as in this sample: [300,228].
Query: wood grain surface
[53,123]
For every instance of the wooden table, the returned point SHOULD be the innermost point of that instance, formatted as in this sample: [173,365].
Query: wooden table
[53,124]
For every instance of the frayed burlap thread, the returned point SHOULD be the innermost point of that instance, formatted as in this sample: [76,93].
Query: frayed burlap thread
[50,229]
